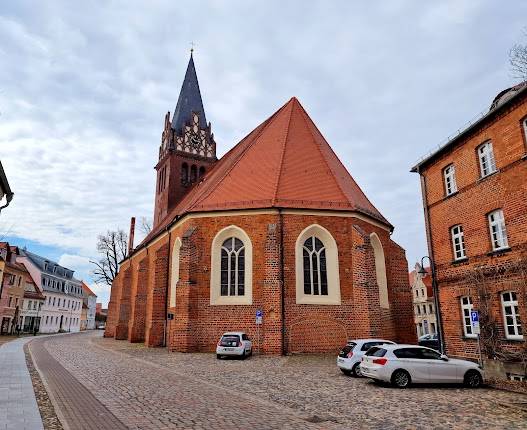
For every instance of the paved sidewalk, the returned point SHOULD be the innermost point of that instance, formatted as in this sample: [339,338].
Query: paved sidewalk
[18,406]
[76,406]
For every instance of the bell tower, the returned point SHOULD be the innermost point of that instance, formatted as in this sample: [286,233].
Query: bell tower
[187,148]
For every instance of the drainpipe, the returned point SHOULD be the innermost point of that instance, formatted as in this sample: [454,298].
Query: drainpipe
[166,291]
[435,286]
[282,282]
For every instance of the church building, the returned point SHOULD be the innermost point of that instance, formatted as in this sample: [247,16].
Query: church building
[276,226]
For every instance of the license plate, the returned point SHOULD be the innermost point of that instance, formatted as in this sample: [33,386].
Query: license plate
[341,360]
[228,349]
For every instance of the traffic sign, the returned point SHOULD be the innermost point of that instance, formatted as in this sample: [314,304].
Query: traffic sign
[259,316]
[474,320]
[259,313]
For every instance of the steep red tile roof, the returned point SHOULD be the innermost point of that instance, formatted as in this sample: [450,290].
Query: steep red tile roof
[285,163]
[87,289]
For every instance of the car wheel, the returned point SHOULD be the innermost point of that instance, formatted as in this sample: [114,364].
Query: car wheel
[473,379]
[346,372]
[401,378]
[356,370]
[218,356]
[243,356]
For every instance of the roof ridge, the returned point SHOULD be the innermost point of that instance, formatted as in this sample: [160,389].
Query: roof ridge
[305,117]
[265,124]
[280,166]
[378,216]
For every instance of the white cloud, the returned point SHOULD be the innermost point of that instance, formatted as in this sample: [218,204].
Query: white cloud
[83,93]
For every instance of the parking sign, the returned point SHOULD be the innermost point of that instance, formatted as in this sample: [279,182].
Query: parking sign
[474,319]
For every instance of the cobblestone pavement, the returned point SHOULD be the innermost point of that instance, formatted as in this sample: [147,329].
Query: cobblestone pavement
[150,388]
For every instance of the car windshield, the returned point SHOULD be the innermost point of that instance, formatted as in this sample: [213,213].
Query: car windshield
[230,340]
[376,352]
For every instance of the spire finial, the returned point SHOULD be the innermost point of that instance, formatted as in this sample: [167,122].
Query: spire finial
[191,48]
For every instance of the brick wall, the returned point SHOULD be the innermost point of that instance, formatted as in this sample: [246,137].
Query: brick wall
[476,197]
[308,328]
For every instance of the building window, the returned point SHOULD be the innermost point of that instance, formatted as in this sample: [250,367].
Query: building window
[201,171]
[380,270]
[511,316]
[433,328]
[525,128]
[498,232]
[174,276]
[231,267]
[418,310]
[184,173]
[316,267]
[487,163]
[193,173]
[431,308]
[466,307]
[29,304]
[315,275]
[458,242]
[450,179]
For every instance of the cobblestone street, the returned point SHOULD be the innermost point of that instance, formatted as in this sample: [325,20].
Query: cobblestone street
[151,389]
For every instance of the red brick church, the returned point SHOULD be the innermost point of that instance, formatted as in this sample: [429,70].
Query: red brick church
[276,225]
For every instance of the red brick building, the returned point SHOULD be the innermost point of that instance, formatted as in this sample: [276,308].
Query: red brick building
[277,225]
[475,199]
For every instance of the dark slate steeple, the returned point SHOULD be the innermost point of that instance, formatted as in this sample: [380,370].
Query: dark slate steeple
[189,101]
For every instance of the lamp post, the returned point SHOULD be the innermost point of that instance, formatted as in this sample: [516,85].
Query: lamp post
[422,271]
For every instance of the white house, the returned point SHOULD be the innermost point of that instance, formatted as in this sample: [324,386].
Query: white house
[63,293]
[90,299]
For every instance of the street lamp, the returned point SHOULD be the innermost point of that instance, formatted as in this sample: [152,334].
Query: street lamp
[422,271]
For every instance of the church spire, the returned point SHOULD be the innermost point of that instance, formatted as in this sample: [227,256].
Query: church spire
[189,100]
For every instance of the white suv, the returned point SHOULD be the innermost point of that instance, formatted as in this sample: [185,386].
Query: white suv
[351,355]
[234,343]
[405,364]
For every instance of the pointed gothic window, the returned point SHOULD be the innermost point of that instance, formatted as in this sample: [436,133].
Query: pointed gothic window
[317,267]
[193,173]
[201,171]
[232,267]
[315,276]
[184,173]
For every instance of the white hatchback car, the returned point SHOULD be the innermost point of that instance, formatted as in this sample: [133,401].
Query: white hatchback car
[234,343]
[350,356]
[405,364]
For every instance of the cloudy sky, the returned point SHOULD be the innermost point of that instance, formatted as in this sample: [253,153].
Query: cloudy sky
[84,87]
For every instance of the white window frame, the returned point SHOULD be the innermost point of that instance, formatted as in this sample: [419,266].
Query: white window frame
[332,267]
[449,174]
[458,239]
[466,307]
[498,230]
[524,122]
[512,304]
[174,273]
[487,161]
[215,276]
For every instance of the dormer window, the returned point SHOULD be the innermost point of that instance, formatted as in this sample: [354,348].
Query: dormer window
[449,174]
[487,163]
[45,266]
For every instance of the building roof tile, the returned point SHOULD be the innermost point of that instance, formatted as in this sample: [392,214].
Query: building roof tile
[285,162]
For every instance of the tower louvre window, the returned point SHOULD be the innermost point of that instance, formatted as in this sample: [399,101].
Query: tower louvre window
[184,173]
[193,173]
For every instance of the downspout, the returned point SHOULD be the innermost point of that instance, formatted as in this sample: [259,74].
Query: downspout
[165,325]
[435,287]
[282,283]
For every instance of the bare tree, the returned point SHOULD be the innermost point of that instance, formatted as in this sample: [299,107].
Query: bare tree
[113,248]
[146,225]
[518,59]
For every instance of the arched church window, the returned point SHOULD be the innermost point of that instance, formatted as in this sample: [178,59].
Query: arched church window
[193,173]
[232,267]
[380,270]
[174,273]
[317,267]
[184,173]
[201,171]
[315,275]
